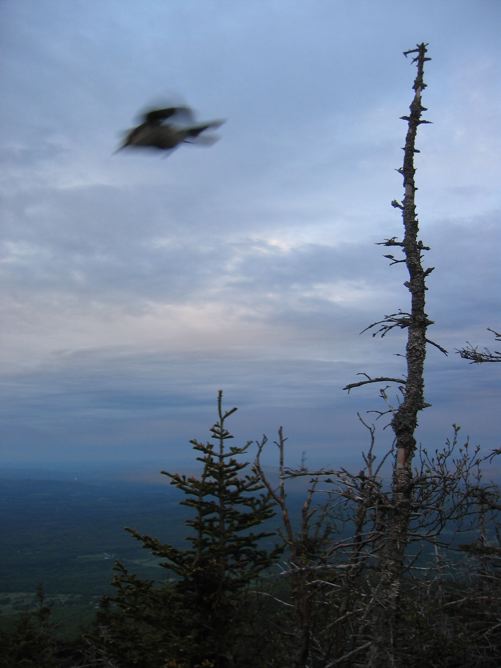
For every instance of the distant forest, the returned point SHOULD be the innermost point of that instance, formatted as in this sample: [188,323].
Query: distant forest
[394,564]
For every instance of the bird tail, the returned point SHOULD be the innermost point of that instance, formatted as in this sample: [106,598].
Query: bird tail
[195,130]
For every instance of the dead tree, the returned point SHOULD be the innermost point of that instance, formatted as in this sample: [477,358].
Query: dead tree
[306,545]
[476,356]
[405,417]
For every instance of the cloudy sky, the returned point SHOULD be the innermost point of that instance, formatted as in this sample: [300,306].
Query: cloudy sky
[134,286]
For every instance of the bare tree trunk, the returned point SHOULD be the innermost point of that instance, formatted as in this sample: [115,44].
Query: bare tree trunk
[404,421]
[384,619]
[299,578]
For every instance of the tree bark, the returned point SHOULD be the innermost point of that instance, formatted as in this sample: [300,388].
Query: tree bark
[385,619]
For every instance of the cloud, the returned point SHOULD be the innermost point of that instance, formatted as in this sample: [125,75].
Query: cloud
[135,286]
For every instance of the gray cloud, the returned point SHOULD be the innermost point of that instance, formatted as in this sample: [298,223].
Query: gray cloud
[134,286]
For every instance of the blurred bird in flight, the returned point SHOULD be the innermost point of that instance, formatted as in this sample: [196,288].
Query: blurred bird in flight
[164,129]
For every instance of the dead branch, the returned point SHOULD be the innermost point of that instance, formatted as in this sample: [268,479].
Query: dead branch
[476,356]
[377,379]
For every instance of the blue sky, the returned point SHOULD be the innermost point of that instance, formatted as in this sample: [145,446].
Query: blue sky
[133,286]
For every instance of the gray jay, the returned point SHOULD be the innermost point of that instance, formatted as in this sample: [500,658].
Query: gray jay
[165,129]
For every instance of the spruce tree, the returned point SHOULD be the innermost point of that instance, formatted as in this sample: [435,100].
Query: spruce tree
[199,619]
[32,641]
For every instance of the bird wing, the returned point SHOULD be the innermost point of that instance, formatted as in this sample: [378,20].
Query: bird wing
[193,134]
[157,116]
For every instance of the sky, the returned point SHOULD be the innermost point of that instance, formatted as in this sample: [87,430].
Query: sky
[134,286]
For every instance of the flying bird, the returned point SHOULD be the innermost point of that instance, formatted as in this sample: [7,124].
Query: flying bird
[165,129]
